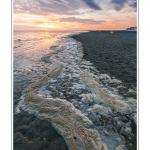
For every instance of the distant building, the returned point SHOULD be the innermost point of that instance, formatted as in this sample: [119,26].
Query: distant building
[131,29]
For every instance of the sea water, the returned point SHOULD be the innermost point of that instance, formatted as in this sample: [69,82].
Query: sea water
[28,48]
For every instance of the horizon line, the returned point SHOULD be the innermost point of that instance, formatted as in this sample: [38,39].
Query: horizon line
[75,30]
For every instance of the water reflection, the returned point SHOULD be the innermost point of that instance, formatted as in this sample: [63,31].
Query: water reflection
[29,47]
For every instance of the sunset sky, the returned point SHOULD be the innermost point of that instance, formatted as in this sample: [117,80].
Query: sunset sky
[74,14]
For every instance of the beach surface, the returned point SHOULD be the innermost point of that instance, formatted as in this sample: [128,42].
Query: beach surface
[113,54]
[77,92]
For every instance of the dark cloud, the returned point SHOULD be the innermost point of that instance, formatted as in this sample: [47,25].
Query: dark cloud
[133,4]
[74,4]
[79,20]
[92,4]
[58,6]
[119,4]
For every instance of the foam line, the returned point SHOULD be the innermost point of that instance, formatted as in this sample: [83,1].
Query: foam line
[65,118]
[104,95]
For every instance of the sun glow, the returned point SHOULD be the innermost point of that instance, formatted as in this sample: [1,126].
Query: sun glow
[46,26]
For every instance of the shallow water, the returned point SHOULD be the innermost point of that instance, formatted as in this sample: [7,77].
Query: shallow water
[29,47]
[73,84]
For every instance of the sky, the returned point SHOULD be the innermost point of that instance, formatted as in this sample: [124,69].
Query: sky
[74,14]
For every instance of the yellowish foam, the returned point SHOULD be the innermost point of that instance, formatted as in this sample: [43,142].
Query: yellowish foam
[68,121]
[103,94]
[102,110]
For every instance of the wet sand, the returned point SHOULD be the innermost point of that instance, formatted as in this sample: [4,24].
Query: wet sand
[31,132]
[113,54]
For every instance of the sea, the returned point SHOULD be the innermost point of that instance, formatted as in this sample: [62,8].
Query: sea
[28,49]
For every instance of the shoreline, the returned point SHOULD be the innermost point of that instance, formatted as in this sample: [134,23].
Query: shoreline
[93,104]
[82,137]
[114,55]
[24,124]
[128,90]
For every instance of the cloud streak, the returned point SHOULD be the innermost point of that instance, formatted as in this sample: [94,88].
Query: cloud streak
[92,4]
[120,4]
[133,4]
[82,21]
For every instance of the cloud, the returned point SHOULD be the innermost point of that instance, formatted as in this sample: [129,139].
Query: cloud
[63,7]
[119,4]
[92,4]
[67,5]
[46,7]
[82,21]
[66,11]
[133,4]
